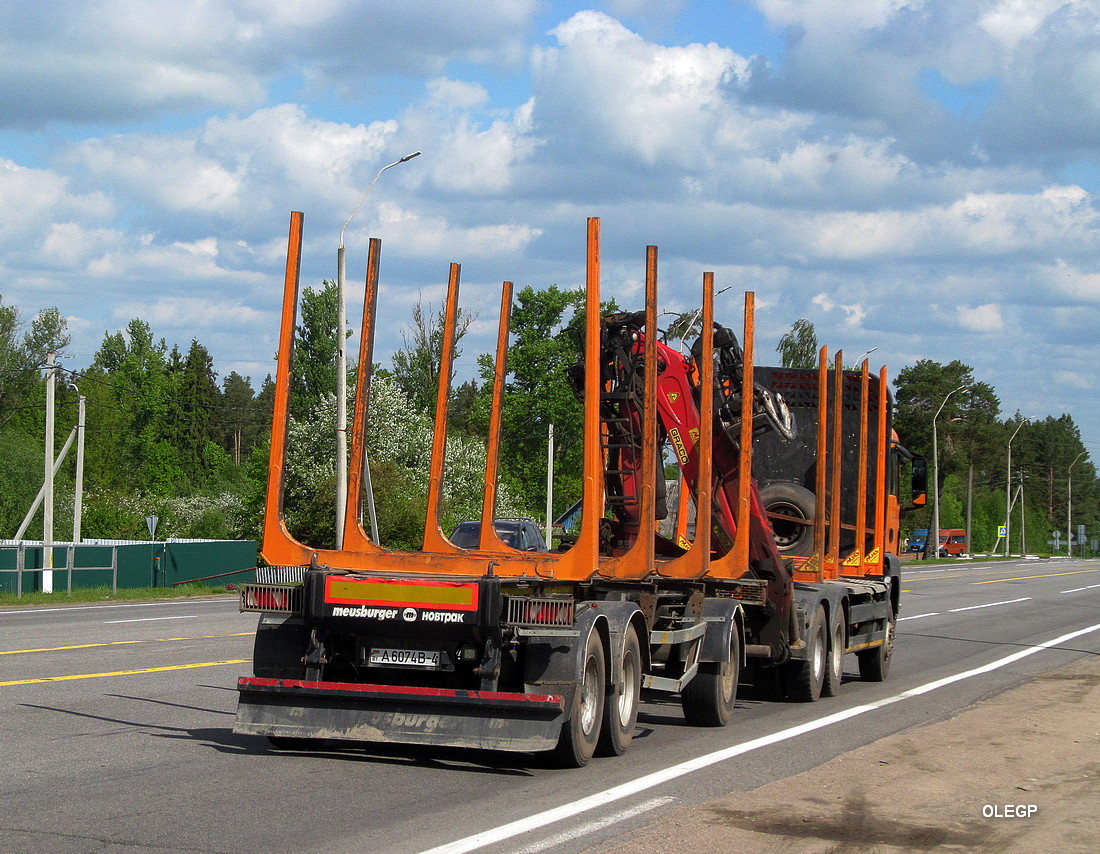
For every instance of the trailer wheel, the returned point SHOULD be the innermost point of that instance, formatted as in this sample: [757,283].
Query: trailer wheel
[795,502]
[874,664]
[807,678]
[620,714]
[581,732]
[709,698]
[834,673]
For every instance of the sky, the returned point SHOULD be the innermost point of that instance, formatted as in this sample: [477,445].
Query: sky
[917,178]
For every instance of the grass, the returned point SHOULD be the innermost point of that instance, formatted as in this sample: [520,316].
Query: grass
[85,595]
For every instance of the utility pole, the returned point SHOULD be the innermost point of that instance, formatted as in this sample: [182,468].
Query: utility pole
[549,484]
[78,486]
[1069,506]
[47,513]
[1008,485]
[1023,519]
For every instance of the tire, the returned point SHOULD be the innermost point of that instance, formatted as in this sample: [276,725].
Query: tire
[709,699]
[620,711]
[790,499]
[874,664]
[834,672]
[581,732]
[806,679]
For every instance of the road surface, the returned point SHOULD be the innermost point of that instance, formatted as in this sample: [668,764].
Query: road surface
[117,732]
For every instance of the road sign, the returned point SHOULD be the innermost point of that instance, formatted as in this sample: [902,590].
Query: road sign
[1002,531]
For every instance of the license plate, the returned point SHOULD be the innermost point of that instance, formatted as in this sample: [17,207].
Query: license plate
[405,658]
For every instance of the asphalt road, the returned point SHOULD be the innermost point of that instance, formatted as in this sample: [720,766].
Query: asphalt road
[116,732]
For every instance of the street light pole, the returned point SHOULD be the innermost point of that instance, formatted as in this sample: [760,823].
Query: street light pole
[47,512]
[342,375]
[1008,486]
[934,532]
[1069,506]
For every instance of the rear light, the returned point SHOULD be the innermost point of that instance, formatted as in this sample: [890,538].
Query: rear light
[279,598]
[535,612]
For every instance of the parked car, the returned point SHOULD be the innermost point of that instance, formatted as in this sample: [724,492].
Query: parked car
[522,534]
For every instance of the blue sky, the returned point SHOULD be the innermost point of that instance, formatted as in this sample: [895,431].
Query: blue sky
[918,177]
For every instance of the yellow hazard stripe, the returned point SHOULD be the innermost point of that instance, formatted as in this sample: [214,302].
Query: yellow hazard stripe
[403,594]
[123,672]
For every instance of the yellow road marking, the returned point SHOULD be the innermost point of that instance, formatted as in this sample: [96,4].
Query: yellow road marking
[123,672]
[1026,577]
[121,643]
[937,578]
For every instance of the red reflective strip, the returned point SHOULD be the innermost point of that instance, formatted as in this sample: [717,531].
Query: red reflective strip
[264,682]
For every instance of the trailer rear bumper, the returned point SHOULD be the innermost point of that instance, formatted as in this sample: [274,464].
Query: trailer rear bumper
[292,708]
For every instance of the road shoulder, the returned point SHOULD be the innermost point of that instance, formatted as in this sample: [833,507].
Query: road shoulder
[1016,772]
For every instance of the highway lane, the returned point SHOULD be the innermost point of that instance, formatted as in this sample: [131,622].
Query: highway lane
[138,753]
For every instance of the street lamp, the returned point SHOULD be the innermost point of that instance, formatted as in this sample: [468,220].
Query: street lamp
[934,531]
[342,379]
[1069,506]
[1008,485]
[859,361]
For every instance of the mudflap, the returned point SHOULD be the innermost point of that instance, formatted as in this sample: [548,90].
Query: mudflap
[292,708]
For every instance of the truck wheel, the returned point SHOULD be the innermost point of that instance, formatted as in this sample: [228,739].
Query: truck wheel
[581,732]
[807,678]
[797,502]
[709,698]
[620,714]
[834,673]
[874,664]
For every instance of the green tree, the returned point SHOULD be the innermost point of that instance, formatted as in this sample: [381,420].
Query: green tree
[547,331]
[196,403]
[966,423]
[239,422]
[416,365]
[798,348]
[134,369]
[315,367]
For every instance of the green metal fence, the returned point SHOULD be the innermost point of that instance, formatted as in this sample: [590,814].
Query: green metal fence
[126,564]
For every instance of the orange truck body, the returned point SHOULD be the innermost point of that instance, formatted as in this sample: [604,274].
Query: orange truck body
[494,647]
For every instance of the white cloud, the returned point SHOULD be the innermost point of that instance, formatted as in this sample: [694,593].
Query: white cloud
[982,318]
[1012,21]
[610,92]
[36,198]
[436,237]
[853,314]
[95,61]
[189,313]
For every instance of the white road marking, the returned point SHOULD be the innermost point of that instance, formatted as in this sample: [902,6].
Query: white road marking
[1079,589]
[991,604]
[593,826]
[918,616]
[190,602]
[150,619]
[666,775]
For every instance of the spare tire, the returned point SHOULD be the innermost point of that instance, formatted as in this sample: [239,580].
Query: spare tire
[790,510]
